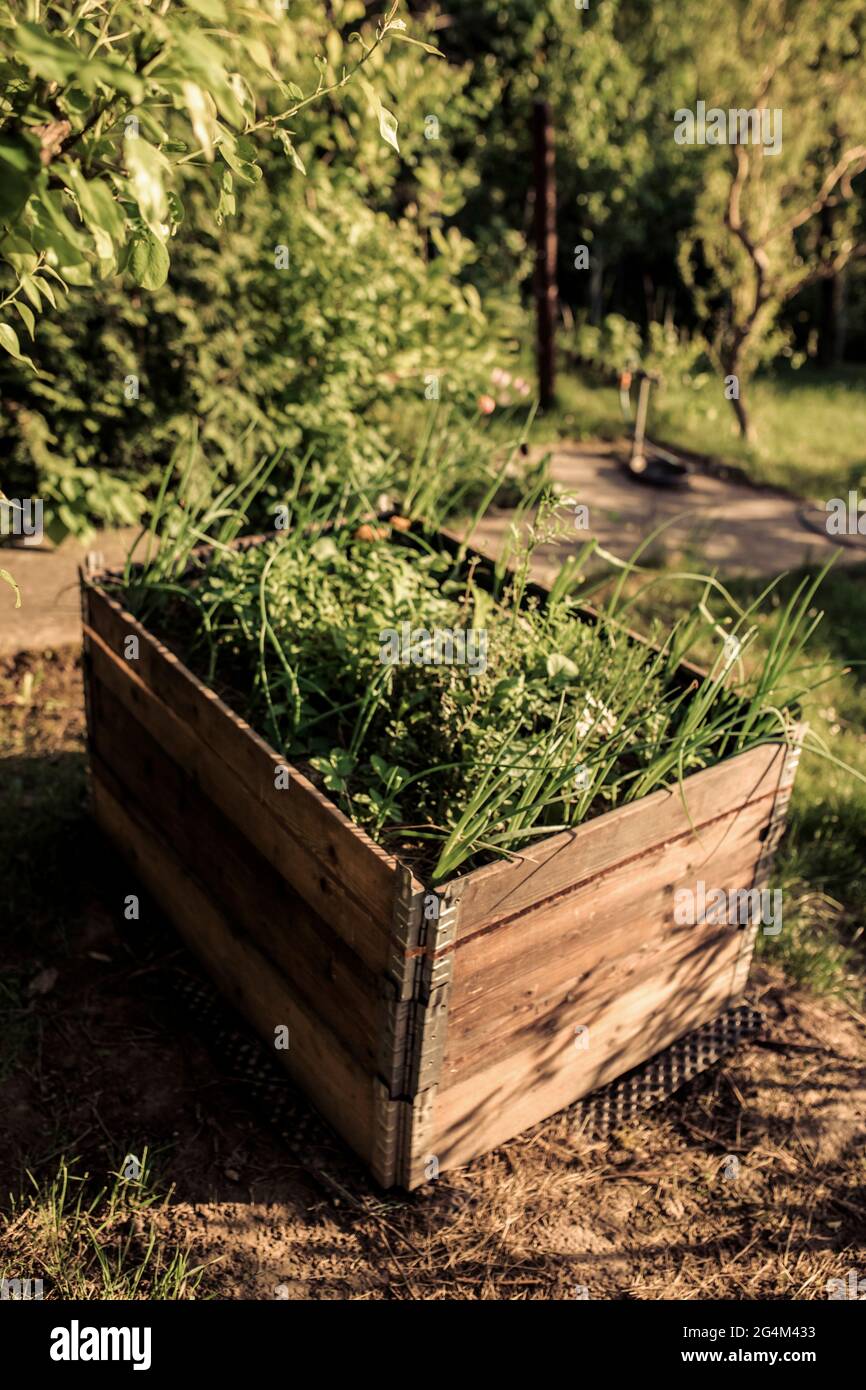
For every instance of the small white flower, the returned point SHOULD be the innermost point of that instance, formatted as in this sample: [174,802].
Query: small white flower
[595,715]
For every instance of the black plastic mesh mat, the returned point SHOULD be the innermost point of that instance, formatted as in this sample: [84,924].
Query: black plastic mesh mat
[246,1062]
[658,1078]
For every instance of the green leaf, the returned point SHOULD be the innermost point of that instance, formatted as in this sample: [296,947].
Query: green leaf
[427,47]
[258,51]
[380,767]
[9,341]
[7,577]
[20,254]
[148,261]
[55,228]
[239,154]
[147,171]
[291,151]
[388,126]
[175,209]
[19,171]
[55,59]
[45,55]
[45,289]
[227,203]
[31,289]
[80,274]
[203,61]
[102,216]
[560,665]
[27,316]
[248,173]
[117,78]
[323,549]
[202,115]
[209,9]
[507,688]
[60,241]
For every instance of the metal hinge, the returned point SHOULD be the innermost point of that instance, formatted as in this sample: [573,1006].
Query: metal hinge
[416,995]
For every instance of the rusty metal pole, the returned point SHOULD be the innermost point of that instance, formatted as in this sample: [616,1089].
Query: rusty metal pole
[545,251]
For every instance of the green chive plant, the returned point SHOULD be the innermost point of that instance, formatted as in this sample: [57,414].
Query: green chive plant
[449,763]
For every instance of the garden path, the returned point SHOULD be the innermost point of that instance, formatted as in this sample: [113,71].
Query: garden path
[722,523]
[50,612]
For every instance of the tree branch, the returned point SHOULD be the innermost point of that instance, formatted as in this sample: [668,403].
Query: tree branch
[757,255]
[852,163]
[826,270]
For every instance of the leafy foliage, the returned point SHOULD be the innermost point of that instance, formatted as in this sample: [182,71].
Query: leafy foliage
[109,108]
[301,314]
[452,763]
[768,225]
[312,356]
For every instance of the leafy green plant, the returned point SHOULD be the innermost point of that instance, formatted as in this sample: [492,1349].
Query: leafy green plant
[450,764]
[108,108]
[367,318]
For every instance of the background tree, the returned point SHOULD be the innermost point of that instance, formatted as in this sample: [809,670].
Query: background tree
[762,234]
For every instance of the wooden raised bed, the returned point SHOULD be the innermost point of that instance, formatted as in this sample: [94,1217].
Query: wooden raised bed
[426,1029]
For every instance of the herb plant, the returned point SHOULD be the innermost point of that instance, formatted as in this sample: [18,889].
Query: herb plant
[450,765]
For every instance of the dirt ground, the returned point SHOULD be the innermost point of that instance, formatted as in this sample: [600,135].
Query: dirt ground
[749,1184]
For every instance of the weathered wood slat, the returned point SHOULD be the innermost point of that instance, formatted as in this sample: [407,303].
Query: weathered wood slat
[477,1041]
[339,1087]
[337,861]
[256,818]
[332,981]
[564,946]
[500,891]
[593,912]
[488,1107]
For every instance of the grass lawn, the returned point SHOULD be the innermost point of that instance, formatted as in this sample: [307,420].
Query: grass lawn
[811,424]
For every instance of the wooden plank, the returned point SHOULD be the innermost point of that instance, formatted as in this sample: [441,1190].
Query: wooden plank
[499,892]
[474,1042]
[614,916]
[488,1107]
[334,865]
[333,982]
[255,817]
[339,1087]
